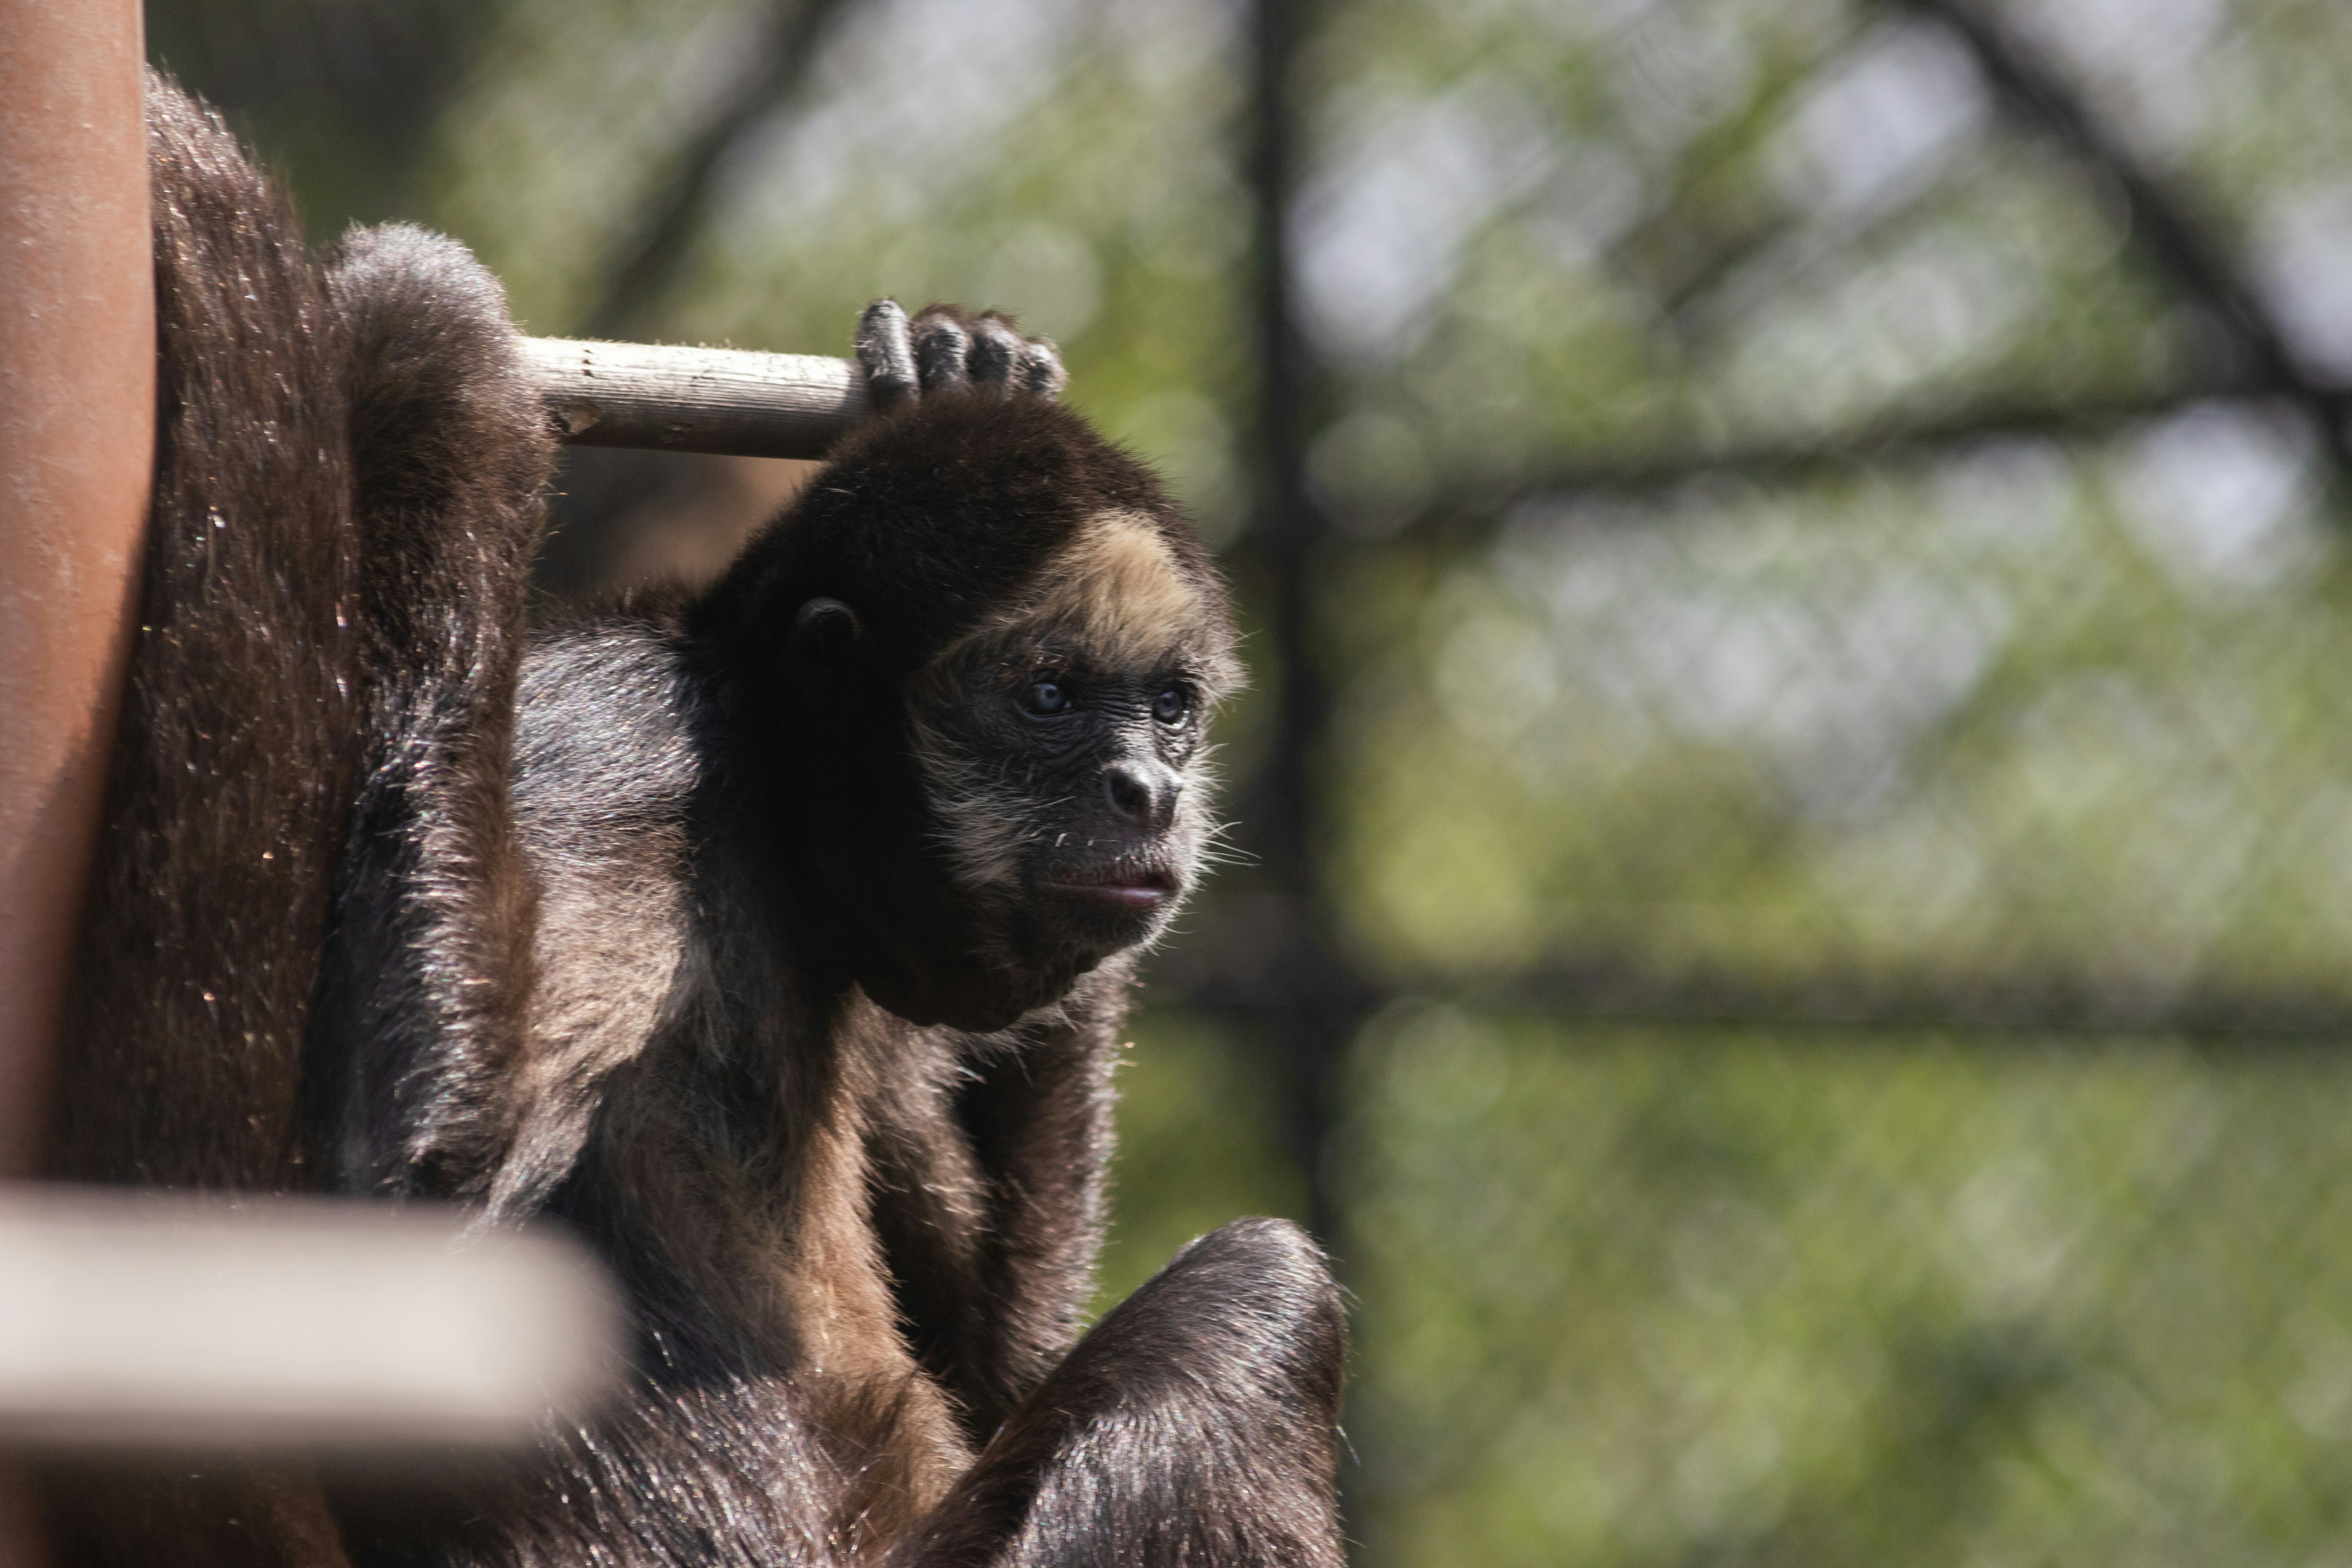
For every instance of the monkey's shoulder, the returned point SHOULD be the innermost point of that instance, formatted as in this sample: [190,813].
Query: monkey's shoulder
[610,728]
[607,760]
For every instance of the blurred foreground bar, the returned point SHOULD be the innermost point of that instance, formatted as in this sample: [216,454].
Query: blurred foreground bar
[726,401]
[153,1322]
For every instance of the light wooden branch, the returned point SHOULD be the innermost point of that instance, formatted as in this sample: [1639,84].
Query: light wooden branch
[695,400]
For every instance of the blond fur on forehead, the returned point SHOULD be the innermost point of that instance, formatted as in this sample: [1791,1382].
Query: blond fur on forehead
[1117,594]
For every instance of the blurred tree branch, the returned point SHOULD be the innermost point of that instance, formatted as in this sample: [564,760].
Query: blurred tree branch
[342,94]
[2163,223]
[648,263]
[1629,987]
[1710,222]
[1469,511]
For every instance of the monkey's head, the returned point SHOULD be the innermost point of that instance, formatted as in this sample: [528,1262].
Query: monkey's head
[977,656]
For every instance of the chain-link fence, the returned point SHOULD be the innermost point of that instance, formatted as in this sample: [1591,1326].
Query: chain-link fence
[1798,801]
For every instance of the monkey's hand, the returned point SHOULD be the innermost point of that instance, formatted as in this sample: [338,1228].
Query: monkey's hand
[949,349]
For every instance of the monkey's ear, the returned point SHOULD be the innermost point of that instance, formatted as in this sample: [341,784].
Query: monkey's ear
[825,631]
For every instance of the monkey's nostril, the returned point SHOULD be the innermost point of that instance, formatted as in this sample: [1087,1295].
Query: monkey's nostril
[1130,795]
[1145,797]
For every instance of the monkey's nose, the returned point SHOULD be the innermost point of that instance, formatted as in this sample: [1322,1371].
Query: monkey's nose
[1143,792]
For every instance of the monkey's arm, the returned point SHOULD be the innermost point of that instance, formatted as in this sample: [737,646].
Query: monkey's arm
[418,1015]
[991,1197]
[1197,1423]
[1039,1116]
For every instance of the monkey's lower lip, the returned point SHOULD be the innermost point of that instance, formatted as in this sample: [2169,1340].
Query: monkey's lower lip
[1124,889]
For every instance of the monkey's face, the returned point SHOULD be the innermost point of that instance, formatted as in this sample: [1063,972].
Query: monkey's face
[1063,758]
[1069,794]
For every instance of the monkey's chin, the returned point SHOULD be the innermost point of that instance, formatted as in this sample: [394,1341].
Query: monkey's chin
[1084,923]
[979,1001]
[1013,953]
[988,986]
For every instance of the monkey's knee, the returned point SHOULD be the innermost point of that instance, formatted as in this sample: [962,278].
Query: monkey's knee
[1253,1302]
[1265,1273]
[1275,1252]
[1195,1425]
[1242,1333]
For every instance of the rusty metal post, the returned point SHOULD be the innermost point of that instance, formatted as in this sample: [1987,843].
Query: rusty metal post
[77,443]
[77,440]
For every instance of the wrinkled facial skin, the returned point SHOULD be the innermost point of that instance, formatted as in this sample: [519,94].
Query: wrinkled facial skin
[1070,793]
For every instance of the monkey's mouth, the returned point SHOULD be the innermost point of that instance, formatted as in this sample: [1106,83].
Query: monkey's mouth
[1137,889]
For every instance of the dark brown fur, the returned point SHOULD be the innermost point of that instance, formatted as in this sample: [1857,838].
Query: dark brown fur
[239,739]
[678,924]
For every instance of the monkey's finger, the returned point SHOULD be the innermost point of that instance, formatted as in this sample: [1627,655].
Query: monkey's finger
[996,351]
[1040,372]
[940,345]
[884,348]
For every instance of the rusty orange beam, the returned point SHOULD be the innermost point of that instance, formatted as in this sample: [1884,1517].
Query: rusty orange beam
[77,446]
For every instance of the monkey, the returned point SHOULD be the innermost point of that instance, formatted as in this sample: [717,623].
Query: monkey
[776,935]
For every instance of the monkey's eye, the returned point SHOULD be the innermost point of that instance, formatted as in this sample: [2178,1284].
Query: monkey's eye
[1044,696]
[1172,706]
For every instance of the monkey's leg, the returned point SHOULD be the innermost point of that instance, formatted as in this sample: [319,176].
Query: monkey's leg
[1195,1425]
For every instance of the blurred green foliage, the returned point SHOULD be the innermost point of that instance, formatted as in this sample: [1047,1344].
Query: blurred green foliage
[2059,707]
[1201,1142]
[2014,713]
[1789,1299]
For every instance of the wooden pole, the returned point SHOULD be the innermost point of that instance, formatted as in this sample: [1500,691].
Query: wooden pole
[695,400]
[77,444]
